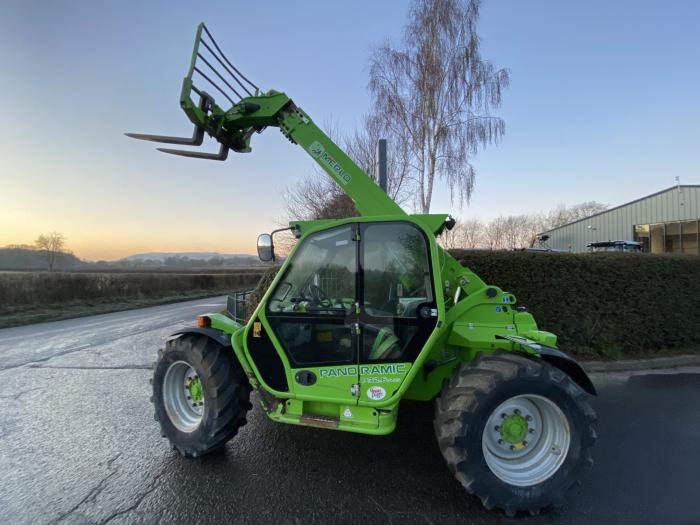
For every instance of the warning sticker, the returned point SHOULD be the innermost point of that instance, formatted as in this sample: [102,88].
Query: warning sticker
[376,393]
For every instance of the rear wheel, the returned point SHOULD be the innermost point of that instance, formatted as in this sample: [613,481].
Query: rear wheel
[516,432]
[200,394]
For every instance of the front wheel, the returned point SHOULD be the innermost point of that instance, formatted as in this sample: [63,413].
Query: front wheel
[516,432]
[200,394]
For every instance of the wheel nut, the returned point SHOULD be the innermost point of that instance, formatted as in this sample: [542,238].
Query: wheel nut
[532,431]
[497,428]
[503,415]
[500,441]
[512,447]
[524,443]
[528,418]
[516,411]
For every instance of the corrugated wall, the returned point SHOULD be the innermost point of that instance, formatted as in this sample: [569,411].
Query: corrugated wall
[618,223]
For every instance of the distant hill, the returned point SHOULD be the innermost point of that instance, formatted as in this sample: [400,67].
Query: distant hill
[29,258]
[187,260]
[202,256]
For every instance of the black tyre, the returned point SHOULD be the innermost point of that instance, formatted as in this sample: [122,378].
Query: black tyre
[200,393]
[516,432]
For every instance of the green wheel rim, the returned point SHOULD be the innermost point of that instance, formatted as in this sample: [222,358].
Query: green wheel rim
[526,440]
[183,396]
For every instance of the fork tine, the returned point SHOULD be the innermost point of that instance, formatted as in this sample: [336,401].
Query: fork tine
[223,153]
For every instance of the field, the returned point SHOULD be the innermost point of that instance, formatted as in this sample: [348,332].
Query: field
[32,297]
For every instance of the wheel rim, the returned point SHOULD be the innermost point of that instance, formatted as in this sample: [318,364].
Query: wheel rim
[526,440]
[183,396]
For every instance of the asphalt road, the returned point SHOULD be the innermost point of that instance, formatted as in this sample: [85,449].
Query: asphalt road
[78,444]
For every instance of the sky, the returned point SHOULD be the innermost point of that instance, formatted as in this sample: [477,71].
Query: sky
[603,105]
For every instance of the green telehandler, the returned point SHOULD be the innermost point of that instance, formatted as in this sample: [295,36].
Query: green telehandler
[363,313]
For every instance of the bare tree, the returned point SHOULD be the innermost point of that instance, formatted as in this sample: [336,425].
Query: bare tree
[452,239]
[319,197]
[467,234]
[513,232]
[52,245]
[520,231]
[495,234]
[513,227]
[472,234]
[437,93]
[563,215]
[535,224]
[361,147]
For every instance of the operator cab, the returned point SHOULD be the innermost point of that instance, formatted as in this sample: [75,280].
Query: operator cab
[354,293]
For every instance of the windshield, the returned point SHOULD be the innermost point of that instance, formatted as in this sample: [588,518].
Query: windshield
[321,276]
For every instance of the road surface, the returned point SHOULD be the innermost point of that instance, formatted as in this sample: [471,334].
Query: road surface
[78,444]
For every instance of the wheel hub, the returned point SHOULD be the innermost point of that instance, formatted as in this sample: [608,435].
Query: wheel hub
[514,428]
[194,387]
[526,440]
[183,396]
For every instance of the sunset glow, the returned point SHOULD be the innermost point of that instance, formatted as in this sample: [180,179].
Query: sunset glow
[83,73]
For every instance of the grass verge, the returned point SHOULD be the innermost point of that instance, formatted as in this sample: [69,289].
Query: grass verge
[29,314]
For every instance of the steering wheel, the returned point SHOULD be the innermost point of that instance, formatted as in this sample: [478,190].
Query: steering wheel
[418,292]
[318,295]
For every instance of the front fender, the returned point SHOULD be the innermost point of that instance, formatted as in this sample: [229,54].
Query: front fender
[569,366]
[220,337]
[554,357]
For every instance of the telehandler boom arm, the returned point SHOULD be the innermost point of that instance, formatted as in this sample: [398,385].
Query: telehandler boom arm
[252,113]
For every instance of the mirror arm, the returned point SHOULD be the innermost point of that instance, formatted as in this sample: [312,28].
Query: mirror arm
[282,230]
[272,238]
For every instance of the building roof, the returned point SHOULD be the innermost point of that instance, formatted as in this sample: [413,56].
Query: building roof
[677,186]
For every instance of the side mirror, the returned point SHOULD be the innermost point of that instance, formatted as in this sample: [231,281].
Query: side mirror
[266,250]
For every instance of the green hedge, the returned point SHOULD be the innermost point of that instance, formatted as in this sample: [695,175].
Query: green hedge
[606,305]
[602,304]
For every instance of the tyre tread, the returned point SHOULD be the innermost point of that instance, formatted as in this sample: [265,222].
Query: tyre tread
[468,389]
[226,385]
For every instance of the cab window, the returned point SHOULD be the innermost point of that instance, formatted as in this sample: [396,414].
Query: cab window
[396,270]
[320,280]
[397,294]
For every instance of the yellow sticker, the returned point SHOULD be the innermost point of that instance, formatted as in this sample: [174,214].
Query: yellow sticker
[518,446]
[324,337]
[257,329]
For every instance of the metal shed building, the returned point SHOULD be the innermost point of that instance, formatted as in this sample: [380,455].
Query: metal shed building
[664,222]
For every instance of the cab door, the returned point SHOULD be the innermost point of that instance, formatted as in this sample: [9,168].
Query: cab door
[398,311]
[313,315]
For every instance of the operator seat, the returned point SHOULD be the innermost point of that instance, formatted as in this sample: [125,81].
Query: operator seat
[385,344]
